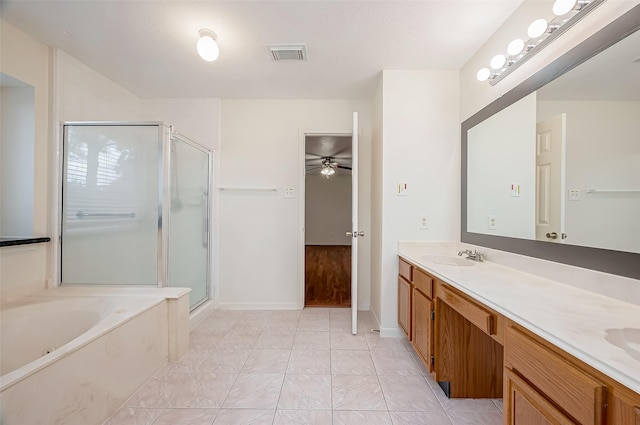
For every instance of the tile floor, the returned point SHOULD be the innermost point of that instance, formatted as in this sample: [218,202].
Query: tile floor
[297,367]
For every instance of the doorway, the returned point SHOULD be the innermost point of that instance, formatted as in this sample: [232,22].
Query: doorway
[328,208]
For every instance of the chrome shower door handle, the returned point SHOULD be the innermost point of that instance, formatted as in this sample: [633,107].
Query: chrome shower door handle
[205,219]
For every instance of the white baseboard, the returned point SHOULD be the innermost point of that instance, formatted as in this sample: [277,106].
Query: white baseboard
[200,313]
[392,333]
[258,306]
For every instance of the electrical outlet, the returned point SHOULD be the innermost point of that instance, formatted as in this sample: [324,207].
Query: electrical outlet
[424,224]
[289,193]
[492,222]
[574,194]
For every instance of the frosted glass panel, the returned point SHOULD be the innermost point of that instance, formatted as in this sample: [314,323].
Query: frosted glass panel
[188,239]
[110,205]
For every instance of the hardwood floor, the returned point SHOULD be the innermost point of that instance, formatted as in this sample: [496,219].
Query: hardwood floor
[327,276]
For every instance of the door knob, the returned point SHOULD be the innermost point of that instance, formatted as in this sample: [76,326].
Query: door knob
[552,235]
[355,234]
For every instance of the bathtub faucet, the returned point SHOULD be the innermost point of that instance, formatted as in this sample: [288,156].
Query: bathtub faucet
[474,255]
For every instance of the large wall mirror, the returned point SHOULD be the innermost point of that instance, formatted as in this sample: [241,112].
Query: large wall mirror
[552,168]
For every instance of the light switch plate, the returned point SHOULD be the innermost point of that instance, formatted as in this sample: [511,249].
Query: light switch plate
[289,193]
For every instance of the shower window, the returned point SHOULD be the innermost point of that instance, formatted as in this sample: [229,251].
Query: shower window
[110,205]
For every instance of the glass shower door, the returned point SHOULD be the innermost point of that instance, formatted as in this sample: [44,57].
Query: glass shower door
[110,214]
[189,218]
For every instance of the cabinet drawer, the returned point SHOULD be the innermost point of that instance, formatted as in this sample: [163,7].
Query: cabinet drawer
[405,270]
[571,389]
[471,311]
[423,282]
[525,406]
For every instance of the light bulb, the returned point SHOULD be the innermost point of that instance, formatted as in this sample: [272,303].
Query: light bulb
[562,7]
[207,47]
[328,171]
[515,47]
[483,74]
[498,61]
[537,28]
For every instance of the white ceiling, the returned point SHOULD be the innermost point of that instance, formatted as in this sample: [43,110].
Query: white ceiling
[148,47]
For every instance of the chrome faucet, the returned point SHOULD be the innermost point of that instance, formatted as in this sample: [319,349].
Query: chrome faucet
[473,255]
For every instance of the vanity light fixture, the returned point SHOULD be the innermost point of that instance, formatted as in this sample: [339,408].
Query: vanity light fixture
[541,32]
[207,45]
[537,28]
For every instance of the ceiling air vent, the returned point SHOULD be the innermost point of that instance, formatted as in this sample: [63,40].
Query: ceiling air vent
[288,52]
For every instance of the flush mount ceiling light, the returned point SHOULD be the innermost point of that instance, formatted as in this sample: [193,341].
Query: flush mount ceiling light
[207,46]
[541,33]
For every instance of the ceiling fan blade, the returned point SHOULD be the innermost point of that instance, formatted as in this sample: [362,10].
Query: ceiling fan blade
[308,168]
[346,151]
[344,167]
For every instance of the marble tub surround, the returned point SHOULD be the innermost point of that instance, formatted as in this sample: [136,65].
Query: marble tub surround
[86,379]
[259,367]
[569,316]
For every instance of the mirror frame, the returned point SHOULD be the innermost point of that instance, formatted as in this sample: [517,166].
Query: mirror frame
[604,260]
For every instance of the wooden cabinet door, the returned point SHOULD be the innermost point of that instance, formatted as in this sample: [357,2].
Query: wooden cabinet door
[525,406]
[422,328]
[404,306]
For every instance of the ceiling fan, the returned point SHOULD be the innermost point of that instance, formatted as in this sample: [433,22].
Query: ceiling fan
[328,166]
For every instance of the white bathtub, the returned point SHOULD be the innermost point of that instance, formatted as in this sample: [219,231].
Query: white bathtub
[73,355]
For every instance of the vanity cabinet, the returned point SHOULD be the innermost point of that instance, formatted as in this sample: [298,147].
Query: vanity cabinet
[415,309]
[405,288]
[422,316]
[404,306]
[475,352]
[546,385]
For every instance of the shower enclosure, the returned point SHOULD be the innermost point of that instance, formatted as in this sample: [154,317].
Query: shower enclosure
[135,207]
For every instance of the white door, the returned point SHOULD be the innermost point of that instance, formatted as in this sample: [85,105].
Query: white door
[550,150]
[355,233]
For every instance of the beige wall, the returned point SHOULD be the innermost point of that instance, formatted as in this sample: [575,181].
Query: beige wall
[327,210]
[24,269]
[419,145]
[261,239]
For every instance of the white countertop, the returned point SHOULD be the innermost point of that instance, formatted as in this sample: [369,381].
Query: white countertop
[574,319]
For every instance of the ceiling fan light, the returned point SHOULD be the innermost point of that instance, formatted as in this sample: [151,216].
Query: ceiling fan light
[207,46]
[328,171]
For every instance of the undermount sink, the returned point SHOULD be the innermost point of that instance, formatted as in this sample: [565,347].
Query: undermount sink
[626,338]
[447,260]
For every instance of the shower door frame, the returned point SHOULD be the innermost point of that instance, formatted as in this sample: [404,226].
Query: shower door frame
[167,206]
[165,135]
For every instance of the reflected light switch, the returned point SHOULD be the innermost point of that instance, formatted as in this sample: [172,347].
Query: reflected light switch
[515,189]
[402,189]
